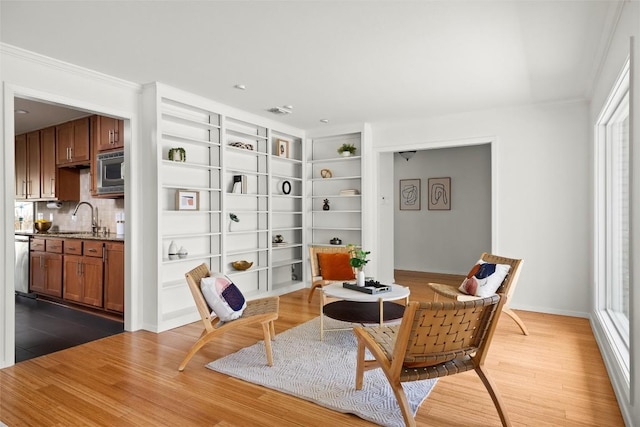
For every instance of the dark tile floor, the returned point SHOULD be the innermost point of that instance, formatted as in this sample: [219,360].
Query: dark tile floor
[43,327]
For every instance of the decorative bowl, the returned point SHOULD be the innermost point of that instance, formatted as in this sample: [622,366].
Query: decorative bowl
[241,265]
[42,226]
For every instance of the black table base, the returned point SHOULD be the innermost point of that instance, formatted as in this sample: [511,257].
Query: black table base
[363,312]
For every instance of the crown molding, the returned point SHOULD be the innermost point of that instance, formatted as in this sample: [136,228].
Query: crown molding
[26,55]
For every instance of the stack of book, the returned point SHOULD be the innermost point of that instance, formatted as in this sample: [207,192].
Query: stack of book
[239,184]
[349,192]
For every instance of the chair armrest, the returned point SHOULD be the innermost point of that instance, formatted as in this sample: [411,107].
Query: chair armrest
[450,291]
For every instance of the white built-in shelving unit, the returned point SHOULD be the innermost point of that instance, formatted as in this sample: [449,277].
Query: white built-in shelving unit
[342,189]
[270,204]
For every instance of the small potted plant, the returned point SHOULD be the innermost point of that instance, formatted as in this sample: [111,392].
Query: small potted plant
[347,149]
[233,218]
[178,154]
[358,261]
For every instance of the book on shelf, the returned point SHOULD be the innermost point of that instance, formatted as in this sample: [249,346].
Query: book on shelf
[239,184]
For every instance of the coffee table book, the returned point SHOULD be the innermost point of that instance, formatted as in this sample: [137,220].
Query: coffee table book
[373,288]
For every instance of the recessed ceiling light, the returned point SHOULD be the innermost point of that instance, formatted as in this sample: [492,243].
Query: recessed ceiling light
[21,111]
[240,87]
[324,120]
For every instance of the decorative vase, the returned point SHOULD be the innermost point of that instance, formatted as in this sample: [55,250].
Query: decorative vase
[173,250]
[360,277]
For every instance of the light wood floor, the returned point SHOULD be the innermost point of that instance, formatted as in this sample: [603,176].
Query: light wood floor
[553,377]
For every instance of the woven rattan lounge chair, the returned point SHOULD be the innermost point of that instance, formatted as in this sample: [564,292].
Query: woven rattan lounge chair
[316,275]
[435,339]
[508,287]
[262,311]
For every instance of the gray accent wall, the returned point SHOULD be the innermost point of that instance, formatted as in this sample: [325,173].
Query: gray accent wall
[439,240]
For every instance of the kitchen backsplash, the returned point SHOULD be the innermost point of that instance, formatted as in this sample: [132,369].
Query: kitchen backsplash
[107,210]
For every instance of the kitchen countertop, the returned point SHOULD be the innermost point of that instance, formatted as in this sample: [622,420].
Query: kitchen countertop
[72,235]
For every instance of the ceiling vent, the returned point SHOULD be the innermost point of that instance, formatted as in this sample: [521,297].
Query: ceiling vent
[280,110]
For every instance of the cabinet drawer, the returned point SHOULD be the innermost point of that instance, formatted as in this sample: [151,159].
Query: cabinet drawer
[53,245]
[73,247]
[93,248]
[37,245]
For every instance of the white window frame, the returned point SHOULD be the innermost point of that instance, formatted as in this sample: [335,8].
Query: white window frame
[615,325]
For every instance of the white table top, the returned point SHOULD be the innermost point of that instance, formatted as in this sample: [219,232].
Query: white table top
[336,290]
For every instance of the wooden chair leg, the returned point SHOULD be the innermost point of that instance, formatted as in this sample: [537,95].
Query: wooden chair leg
[493,392]
[197,346]
[360,365]
[266,329]
[409,421]
[516,319]
[272,330]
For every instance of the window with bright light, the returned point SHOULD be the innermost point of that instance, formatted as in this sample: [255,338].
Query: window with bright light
[612,216]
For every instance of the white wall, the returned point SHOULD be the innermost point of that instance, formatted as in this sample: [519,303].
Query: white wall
[25,74]
[445,241]
[541,189]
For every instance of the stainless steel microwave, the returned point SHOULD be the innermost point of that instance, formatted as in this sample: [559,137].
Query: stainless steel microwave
[111,172]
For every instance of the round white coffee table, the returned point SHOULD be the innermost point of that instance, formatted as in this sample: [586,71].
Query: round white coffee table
[360,307]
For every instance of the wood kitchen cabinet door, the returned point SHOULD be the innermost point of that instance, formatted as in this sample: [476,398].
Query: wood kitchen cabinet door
[109,133]
[83,279]
[72,140]
[33,165]
[92,281]
[45,273]
[21,166]
[48,162]
[72,274]
[114,277]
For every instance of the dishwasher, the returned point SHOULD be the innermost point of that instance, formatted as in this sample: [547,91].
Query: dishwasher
[21,275]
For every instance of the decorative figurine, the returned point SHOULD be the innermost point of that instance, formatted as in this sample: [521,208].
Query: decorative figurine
[326,207]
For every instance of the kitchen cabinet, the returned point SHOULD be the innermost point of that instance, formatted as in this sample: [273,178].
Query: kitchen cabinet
[114,277]
[36,172]
[45,267]
[48,162]
[82,275]
[109,132]
[72,140]
[27,164]
[21,166]
[33,165]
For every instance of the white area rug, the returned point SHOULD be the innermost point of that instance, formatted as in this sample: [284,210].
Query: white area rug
[322,372]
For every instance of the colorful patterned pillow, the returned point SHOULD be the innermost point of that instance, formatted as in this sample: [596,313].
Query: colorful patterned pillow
[484,279]
[224,298]
[335,266]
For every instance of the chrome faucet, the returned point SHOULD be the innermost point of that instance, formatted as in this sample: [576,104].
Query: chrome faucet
[94,216]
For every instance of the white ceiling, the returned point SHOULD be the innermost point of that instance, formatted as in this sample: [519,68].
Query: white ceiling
[346,61]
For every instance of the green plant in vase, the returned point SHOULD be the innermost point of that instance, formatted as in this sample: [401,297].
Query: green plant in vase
[347,149]
[358,261]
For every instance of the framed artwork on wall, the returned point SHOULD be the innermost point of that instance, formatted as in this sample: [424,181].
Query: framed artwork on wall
[439,194]
[187,200]
[410,194]
[283,148]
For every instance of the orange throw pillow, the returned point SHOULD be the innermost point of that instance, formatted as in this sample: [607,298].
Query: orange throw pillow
[335,266]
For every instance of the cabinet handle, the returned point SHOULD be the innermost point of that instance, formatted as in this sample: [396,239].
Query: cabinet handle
[24,186]
[111,137]
[70,153]
[116,136]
